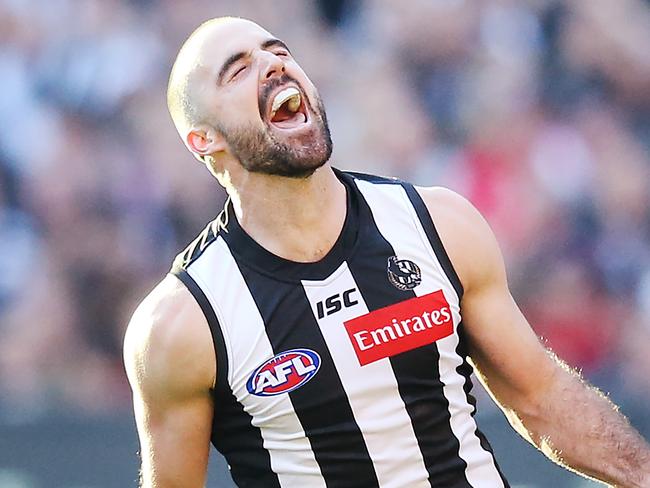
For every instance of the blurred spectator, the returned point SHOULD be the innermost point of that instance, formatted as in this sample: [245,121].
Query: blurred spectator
[537,111]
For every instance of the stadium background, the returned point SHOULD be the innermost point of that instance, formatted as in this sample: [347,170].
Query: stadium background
[537,110]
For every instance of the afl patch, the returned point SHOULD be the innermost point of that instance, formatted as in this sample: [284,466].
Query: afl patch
[284,372]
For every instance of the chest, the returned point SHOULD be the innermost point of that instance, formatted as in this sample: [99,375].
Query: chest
[318,342]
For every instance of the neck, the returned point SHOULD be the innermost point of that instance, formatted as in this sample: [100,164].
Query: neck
[297,219]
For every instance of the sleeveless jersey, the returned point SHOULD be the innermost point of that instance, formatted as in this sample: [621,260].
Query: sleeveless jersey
[348,372]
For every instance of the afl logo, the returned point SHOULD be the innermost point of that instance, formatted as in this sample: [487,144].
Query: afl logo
[403,274]
[284,372]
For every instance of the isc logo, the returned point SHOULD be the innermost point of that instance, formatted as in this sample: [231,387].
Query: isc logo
[284,372]
[335,303]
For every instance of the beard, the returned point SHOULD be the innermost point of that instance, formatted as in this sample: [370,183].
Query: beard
[259,150]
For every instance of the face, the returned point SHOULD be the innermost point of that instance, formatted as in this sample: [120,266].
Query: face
[263,104]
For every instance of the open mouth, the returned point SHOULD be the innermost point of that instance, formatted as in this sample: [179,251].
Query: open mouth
[288,109]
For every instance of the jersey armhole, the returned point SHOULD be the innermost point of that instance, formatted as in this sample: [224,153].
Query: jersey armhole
[430,230]
[221,353]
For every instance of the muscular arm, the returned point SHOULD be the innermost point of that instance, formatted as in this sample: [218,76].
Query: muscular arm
[548,403]
[171,366]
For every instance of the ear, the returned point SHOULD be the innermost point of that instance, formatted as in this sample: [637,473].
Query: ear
[204,140]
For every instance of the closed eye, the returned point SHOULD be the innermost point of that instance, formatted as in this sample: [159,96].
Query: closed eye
[237,72]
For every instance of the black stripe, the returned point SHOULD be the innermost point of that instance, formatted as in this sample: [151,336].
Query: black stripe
[233,433]
[241,443]
[215,329]
[434,238]
[321,404]
[465,369]
[416,371]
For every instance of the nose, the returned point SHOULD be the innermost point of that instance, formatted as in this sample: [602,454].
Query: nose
[271,65]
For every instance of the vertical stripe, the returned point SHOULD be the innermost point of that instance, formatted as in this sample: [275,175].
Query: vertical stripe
[221,354]
[372,389]
[388,203]
[321,404]
[249,462]
[426,225]
[290,455]
[245,452]
[416,370]
[465,369]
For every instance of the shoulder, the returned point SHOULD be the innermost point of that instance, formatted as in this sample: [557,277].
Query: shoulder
[168,346]
[447,205]
[466,236]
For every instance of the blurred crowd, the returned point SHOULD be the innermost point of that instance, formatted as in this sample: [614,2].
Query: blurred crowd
[538,111]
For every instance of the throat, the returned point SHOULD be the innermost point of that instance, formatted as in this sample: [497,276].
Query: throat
[302,248]
[300,226]
[306,240]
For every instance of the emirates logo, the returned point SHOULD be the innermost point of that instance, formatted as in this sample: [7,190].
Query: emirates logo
[400,327]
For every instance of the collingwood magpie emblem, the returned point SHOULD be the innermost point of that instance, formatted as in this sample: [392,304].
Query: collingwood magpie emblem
[403,273]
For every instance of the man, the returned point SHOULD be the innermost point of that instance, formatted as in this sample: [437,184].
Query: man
[313,331]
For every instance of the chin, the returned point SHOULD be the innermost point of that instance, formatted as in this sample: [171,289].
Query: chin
[295,150]
[292,165]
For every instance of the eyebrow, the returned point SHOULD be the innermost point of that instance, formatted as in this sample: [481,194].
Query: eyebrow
[273,43]
[237,56]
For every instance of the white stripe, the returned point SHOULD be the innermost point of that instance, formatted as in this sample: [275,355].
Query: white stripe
[372,390]
[247,344]
[408,239]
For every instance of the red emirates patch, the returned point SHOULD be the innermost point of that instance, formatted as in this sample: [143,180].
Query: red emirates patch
[401,327]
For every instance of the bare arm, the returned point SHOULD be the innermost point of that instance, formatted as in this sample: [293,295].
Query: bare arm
[548,403]
[171,366]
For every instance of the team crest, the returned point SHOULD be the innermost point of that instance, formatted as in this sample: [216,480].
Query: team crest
[403,273]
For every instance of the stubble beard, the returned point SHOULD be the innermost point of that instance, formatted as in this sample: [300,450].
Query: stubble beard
[259,150]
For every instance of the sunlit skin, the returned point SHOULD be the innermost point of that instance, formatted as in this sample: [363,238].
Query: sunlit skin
[270,208]
[168,350]
[236,91]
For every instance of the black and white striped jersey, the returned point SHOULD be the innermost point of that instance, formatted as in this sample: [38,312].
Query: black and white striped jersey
[348,372]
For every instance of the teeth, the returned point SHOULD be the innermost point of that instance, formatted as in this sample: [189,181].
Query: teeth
[294,103]
[292,95]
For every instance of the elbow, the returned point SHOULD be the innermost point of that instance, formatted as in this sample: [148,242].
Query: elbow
[531,412]
[528,408]
[527,419]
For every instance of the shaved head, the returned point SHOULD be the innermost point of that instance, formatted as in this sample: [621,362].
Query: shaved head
[183,90]
[237,93]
